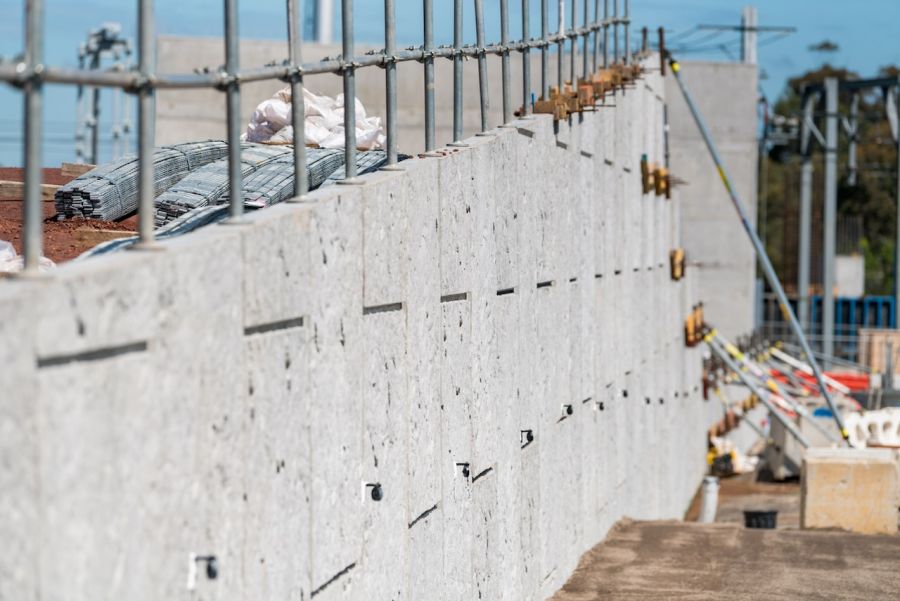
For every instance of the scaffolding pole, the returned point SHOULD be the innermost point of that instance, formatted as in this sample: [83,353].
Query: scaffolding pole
[762,395]
[761,255]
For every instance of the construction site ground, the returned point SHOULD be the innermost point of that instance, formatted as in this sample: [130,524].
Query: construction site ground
[692,561]
[63,240]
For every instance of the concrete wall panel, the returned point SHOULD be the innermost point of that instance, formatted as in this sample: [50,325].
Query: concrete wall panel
[233,395]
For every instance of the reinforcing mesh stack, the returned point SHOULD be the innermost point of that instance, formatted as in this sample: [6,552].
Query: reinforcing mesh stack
[110,191]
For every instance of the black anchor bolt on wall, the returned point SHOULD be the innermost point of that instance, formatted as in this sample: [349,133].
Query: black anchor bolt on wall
[526,437]
[465,469]
[568,410]
[212,565]
[377,493]
[647,400]
[600,406]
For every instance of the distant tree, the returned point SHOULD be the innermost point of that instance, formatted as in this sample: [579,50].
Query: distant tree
[873,197]
[824,46]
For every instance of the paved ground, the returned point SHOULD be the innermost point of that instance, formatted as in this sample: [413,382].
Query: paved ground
[749,492]
[690,561]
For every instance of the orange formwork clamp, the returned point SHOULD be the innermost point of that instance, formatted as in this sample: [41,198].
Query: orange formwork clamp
[676,264]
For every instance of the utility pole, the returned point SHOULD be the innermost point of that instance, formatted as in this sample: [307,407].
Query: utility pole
[892,108]
[828,241]
[749,30]
[324,21]
[748,35]
[806,174]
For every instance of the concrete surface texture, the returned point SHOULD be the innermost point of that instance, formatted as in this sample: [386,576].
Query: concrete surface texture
[491,336]
[667,560]
[852,489]
[714,239]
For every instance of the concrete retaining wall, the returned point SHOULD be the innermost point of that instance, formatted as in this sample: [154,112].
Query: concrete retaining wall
[233,394]
[715,241]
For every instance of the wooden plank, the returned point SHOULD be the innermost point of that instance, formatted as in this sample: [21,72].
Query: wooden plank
[16,190]
[73,170]
[90,236]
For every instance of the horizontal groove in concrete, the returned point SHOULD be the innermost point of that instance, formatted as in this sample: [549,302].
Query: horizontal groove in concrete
[93,355]
[388,308]
[274,326]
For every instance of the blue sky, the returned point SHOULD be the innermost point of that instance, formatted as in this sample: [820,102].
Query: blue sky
[866,31]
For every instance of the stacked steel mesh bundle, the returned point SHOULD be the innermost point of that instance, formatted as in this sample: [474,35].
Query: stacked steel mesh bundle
[110,191]
[366,162]
[184,224]
[207,185]
[274,183]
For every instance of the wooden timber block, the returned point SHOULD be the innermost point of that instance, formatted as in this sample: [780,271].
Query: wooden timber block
[90,236]
[552,107]
[586,93]
[16,190]
[74,170]
[647,176]
[660,179]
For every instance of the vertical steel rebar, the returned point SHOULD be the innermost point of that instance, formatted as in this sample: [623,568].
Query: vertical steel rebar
[457,71]
[233,109]
[482,63]
[428,26]
[596,28]
[146,122]
[504,60]
[298,101]
[34,56]
[585,39]
[349,92]
[645,40]
[605,34]
[627,25]
[545,50]
[573,44]
[390,81]
[615,31]
[561,45]
[526,59]
[661,33]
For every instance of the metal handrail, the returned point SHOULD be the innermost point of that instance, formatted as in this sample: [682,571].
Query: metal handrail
[30,74]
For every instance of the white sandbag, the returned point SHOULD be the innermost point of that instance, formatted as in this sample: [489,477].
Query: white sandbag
[324,123]
[10,262]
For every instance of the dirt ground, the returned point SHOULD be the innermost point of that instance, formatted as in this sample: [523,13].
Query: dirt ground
[62,239]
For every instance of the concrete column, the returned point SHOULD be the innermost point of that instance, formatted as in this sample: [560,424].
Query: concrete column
[828,244]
